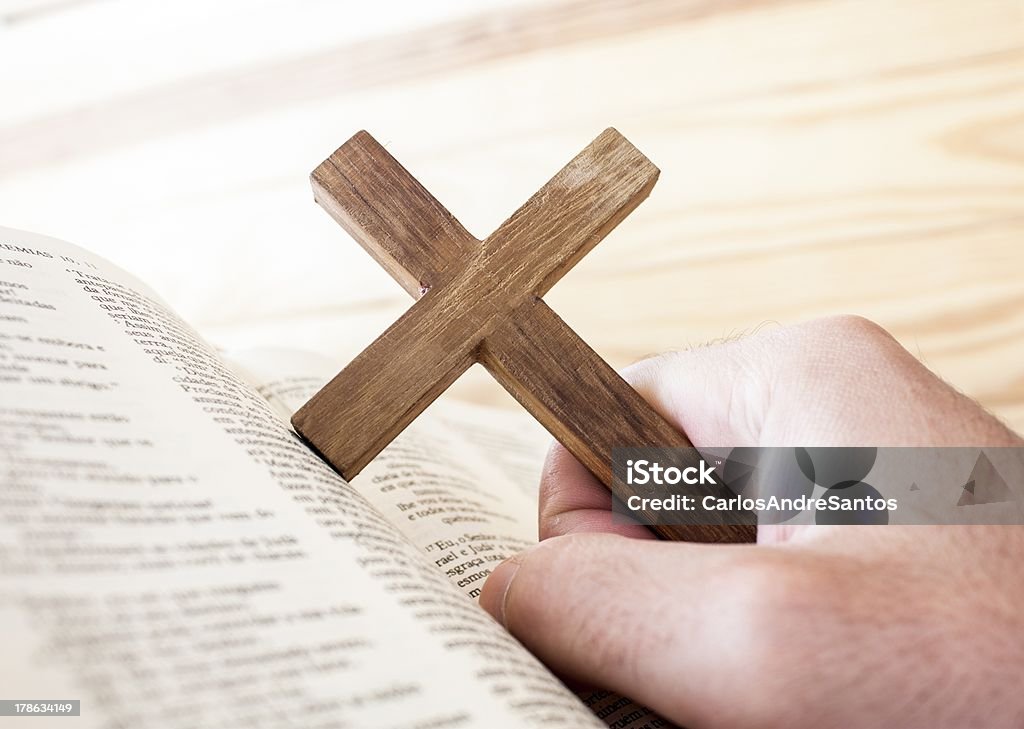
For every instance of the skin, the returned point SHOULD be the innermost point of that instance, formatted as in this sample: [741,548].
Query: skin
[819,626]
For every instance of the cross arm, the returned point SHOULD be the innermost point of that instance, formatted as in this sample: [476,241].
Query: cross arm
[355,415]
[586,405]
[574,210]
[380,204]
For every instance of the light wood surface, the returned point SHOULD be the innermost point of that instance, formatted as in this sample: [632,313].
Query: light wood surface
[860,156]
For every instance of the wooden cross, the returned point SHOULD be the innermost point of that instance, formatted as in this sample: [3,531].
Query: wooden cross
[481,302]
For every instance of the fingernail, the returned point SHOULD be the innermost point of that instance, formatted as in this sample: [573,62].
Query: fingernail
[495,593]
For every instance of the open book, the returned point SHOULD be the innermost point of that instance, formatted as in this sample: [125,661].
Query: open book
[173,556]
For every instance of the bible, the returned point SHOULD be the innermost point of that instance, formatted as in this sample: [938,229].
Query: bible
[173,555]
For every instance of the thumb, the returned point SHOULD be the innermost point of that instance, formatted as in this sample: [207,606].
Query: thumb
[638,617]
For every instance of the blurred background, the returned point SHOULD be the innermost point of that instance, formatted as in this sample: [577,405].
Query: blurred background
[817,157]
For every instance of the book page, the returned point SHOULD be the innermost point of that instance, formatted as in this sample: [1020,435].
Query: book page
[172,556]
[461,482]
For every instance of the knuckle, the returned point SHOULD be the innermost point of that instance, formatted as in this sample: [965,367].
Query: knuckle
[789,614]
[770,604]
[835,352]
[759,586]
[850,328]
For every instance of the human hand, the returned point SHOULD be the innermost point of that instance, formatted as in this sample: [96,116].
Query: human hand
[819,626]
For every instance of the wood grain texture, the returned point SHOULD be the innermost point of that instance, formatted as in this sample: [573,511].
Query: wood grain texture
[825,157]
[400,57]
[481,302]
[390,214]
[587,406]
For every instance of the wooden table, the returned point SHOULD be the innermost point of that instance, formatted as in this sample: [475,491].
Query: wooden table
[858,156]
